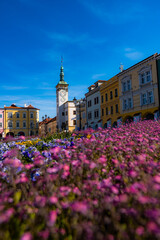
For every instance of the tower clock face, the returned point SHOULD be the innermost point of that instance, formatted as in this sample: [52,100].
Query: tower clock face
[62,93]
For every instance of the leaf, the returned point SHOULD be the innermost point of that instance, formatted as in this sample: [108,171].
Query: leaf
[17,196]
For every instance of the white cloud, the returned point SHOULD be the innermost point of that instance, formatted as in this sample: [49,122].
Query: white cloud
[116,12]
[14,87]
[70,38]
[98,76]
[132,54]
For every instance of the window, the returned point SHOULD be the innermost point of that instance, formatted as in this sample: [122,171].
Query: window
[106,96]
[10,125]
[74,112]
[148,76]
[116,92]
[0,124]
[10,115]
[96,113]
[17,124]
[111,96]
[144,98]
[124,87]
[142,78]
[129,103]
[66,113]
[124,104]
[128,85]
[0,115]
[147,98]
[74,122]
[24,115]
[31,115]
[31,124]
[96,100]
[101,99]
[66,123]
[49,129]
[17,115]
[106,110]
[102,112]
[116,108]
[89,103]
[24,124]
[111,109]
[89,115]
[150,97]
[145,77]
[62,113]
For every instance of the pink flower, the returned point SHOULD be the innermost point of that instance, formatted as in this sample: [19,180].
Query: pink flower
[52,218]
[53,170]
[53,199]
[93,165]
[6,215]
[157,178]
[28,166]
[102,159]
[152,226]
[44,234]
[12,162]
[140,230]
[114,190]
[26,236]
[80,207]
[123,198]
[40,201]
[66,167]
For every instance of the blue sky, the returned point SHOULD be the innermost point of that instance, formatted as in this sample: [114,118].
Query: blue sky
[93,36]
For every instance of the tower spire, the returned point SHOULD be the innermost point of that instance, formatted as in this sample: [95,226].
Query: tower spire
[62,73]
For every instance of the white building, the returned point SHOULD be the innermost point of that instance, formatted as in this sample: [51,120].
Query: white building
[66,110]
[93,106]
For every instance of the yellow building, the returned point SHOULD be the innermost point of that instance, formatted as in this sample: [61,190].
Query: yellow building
[21,121]
[138,90]
[110,107]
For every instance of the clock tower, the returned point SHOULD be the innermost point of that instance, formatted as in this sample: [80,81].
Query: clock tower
[61,95]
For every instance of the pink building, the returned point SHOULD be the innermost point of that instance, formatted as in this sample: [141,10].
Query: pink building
[1,122]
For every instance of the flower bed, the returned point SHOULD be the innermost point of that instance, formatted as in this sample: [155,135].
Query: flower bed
[101,184]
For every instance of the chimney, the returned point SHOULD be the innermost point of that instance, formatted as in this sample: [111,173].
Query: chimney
[25,105]
[4,105]
[42,118]
[45,116]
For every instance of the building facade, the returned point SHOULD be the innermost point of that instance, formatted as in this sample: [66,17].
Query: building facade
[47,126]
[21,121]
[66,110]
[52,126]
[110,107]
[138,88]
[80,114]
[1,122]
[93,106]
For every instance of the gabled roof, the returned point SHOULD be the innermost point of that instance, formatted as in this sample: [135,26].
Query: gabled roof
[15,107]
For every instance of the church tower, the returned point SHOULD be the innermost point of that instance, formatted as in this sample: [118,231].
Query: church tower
[61,94]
